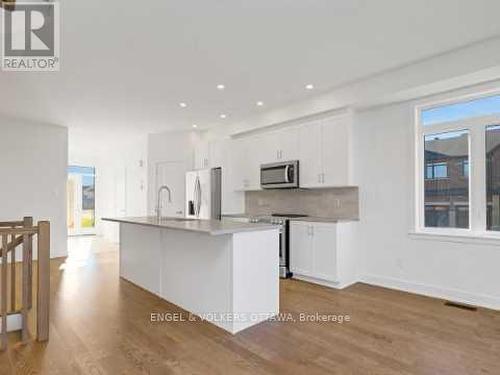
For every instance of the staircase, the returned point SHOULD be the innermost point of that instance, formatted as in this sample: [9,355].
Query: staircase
[16,278]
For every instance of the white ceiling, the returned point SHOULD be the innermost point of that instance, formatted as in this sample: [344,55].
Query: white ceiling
[126,64]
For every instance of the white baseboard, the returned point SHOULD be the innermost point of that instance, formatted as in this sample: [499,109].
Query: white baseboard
[14,322]
[490,302]
[330,284]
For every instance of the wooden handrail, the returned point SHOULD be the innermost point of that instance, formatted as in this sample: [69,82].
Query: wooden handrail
[14,231]
[11,224]
[13,235]
[8,5]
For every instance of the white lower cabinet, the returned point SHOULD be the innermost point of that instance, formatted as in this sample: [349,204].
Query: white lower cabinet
[323,253]
[324,246]
[313,250]
[301,252]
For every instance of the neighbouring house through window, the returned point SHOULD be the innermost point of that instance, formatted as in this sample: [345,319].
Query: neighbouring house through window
[446,190]
[493,178]
[459,165]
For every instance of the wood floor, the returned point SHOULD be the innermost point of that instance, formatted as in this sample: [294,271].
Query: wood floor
[101,325]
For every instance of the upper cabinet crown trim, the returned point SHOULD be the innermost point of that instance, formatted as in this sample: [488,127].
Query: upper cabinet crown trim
[296,122]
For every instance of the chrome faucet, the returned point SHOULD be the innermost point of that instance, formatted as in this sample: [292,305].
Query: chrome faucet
[158,200]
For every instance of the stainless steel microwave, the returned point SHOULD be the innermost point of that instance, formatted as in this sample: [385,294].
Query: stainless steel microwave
[282,175]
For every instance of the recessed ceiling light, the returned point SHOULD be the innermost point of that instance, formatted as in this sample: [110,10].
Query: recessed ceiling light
[309,86]
[183,105]
[195,126]
[260,104]
[220,86]
[223,115]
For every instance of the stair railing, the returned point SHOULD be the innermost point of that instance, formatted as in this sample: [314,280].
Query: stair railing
[15,234]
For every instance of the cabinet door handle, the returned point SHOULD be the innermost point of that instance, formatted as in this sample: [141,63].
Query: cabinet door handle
[319,178]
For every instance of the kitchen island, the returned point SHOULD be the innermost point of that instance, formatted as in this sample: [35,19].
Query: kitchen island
[225,272]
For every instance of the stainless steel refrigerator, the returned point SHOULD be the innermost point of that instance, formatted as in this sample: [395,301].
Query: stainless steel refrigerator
[203,194]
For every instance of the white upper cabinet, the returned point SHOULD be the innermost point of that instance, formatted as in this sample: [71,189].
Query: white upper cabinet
[238,164]
[202,155]
[252,175]
[335,147]
[310,156]
[217,153]
[280,145]
[288,141]
[322,148]
[211,154]
[324,152]
[220,156]
[245,164]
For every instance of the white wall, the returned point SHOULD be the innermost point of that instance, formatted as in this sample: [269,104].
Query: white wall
[384,167]
[121,174]
[33,165]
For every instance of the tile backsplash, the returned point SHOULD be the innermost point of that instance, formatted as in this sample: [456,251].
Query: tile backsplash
[331,203]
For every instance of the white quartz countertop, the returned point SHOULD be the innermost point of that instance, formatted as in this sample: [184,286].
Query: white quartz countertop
[311,219]
[211,227]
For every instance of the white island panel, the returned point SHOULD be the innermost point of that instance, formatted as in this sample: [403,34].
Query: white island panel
[255,277]
[196,272]
[232,280]
[139,256]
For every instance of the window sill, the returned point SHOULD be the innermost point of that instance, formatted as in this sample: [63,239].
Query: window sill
[466,237]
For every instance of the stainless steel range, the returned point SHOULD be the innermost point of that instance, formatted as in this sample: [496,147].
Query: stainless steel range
[283,221]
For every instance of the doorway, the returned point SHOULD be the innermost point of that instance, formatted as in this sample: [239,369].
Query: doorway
[81,200]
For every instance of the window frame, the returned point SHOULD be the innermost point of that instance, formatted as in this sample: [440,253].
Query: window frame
[476,127]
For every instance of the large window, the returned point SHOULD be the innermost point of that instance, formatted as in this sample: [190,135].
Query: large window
[459,166]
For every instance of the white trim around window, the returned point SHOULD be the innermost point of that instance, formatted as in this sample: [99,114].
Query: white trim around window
[476,127]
